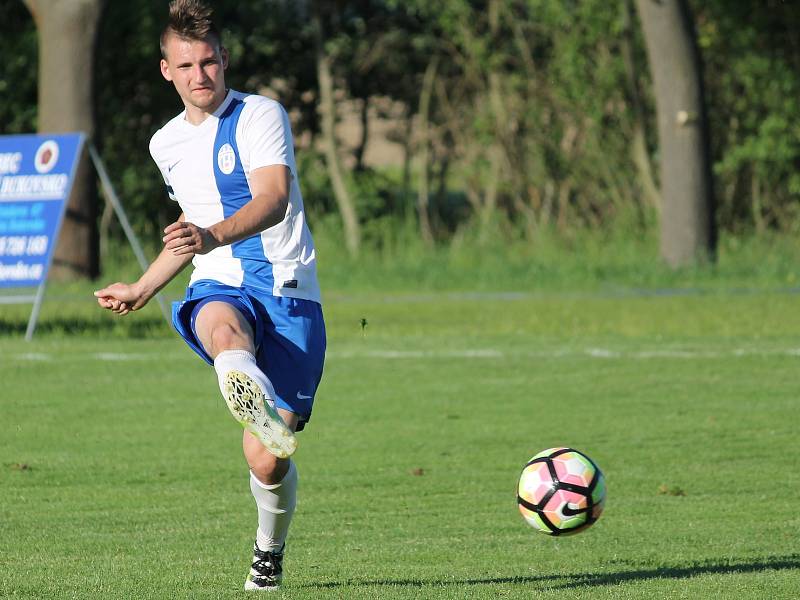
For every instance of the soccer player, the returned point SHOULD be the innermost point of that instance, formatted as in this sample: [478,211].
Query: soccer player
[252,308]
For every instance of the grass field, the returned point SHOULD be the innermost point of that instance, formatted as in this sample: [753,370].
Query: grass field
[121,474]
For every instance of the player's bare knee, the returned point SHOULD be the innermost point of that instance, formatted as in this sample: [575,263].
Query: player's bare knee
[268,469]
[226,337]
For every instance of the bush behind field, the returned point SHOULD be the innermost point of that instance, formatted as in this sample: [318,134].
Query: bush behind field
[501,257]
[570,80]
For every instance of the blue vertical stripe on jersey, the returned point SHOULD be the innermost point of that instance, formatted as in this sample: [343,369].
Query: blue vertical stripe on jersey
[235,193]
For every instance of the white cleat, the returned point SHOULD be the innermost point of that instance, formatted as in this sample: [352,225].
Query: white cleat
[257,414]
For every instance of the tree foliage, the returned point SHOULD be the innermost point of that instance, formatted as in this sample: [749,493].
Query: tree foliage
[18,74]
[533,107]
[752,55]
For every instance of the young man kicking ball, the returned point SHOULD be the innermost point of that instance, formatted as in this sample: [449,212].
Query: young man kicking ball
[252,308]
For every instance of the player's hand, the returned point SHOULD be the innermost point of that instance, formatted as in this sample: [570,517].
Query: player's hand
[187,238]
[121,298]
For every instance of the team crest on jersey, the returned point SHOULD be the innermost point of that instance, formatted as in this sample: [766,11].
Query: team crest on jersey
[226,159]
[46,156]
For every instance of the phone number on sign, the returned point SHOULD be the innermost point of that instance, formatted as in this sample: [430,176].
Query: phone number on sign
[23,245]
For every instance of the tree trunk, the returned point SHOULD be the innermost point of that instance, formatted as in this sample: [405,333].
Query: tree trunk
[500,117]
[66,32]
[423,189]
[405,207]
[639,153]
[687,219]
[327,108]
[362,143]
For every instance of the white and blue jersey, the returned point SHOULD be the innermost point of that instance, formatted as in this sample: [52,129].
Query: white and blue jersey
[269,277]
[206,169]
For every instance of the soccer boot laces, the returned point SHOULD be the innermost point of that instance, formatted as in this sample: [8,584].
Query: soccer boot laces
[266,571]
[257,414]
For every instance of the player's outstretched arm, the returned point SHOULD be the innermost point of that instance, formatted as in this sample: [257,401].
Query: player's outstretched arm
[270,188]
[122,298]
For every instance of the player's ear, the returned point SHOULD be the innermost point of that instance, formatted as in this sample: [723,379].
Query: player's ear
[165,70]
[223,52]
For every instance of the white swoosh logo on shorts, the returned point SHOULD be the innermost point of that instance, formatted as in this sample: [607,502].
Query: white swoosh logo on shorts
[303,396]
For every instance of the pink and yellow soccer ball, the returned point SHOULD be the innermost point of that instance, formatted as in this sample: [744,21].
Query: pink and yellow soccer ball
[561,491]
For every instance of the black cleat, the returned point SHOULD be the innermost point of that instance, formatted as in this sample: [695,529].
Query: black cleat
[266,571]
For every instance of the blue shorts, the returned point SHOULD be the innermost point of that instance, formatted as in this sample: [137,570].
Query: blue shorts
[289,338]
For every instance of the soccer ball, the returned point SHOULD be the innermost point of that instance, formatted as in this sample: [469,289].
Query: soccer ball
[561,491]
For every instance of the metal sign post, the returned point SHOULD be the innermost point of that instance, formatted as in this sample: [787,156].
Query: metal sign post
[111,197]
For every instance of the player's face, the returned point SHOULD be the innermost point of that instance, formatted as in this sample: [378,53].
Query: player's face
[197,69]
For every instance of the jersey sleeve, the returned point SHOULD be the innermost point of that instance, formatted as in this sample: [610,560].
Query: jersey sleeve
[162,167]
[170,191]
[267,136]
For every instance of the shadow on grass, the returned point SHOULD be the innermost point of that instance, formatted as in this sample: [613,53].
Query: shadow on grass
[139,327]
[578,580]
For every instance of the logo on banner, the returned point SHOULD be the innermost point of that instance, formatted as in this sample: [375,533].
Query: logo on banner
[46,157]
[226,159]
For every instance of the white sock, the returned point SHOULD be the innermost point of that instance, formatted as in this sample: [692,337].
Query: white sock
[242,360]
[275,509]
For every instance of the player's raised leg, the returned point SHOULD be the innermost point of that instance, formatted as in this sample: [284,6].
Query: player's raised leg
[268,438]
[227,337]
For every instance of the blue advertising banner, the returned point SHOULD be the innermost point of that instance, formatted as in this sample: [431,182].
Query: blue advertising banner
[36,174]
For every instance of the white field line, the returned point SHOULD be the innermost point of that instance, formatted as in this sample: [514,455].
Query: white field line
[38,356]
[122,356]
[599,353]
[473,353]
[392,354]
